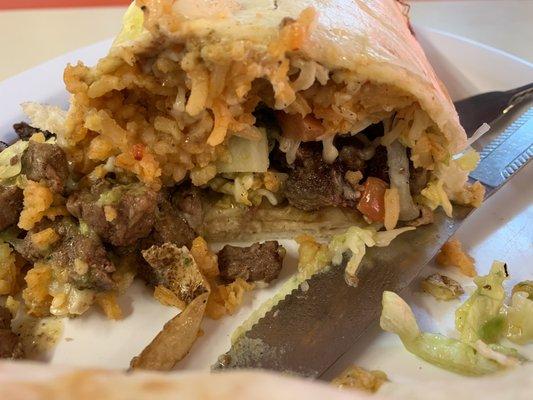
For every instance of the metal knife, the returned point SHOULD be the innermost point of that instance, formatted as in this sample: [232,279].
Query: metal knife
[309,330]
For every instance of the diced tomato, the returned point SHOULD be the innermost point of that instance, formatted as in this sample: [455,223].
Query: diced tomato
[293,126]
[372,202]
[138,151]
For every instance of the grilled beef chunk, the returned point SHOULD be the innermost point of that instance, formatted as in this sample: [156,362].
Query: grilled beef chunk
[10,345]
[188,201]
[119,214]
[10,205]
[171,227]
[84,256]
[46,162]
[313,184]
[258,262]
[81,253]
[25,131]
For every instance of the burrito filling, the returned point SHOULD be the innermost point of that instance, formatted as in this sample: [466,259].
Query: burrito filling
[182,131]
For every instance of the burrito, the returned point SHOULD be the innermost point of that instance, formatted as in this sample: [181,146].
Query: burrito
[267,118]
[227,120]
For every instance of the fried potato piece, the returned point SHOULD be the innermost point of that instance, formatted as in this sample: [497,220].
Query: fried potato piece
[180,283]
[175,269]
[173,343]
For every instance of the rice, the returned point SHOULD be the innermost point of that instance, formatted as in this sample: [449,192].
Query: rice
[8,271]
[392,208]
[205,259]
[37,199]
[181,103]
[42,240]
[36,296]
[226,299]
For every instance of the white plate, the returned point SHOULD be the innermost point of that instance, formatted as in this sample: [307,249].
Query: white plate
[502,229]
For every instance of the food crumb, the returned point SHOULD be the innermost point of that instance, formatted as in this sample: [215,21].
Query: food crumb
[355,377]
[441,287]
[453,255]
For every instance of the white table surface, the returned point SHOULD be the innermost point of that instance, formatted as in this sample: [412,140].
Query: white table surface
[28,38]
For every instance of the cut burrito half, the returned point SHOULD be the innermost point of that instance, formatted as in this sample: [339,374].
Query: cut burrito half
[225,120]
[272,117]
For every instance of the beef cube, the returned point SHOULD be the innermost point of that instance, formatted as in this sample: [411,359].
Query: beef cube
[25,131]
[45,162]
[313,184]
[81,254]
[84,256]
[119,214]
[258,262]
[11,198]
[188,200]
[171,227]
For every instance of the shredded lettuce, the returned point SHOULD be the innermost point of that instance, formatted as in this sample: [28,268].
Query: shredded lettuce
[433,196]
[520,319]
[356,240]
[132,25]
[451,354]
[10,160]
[524,286]
[477,318]
[449,182]
[468,161]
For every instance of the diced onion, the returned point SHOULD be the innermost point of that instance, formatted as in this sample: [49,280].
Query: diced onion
[399,177]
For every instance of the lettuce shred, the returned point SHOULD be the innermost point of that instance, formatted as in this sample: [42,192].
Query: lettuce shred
[132,25]
[480,316]
[451,354]
[356,240]
[10,160]
[520,319]
[449,183]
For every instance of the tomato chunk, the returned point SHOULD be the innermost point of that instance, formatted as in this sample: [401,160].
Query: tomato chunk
[372,202]
[293,126]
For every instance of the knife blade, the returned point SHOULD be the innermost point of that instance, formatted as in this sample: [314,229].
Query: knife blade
[307,331]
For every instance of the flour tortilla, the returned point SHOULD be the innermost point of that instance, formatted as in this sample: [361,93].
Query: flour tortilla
[32,381]
[371,38]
